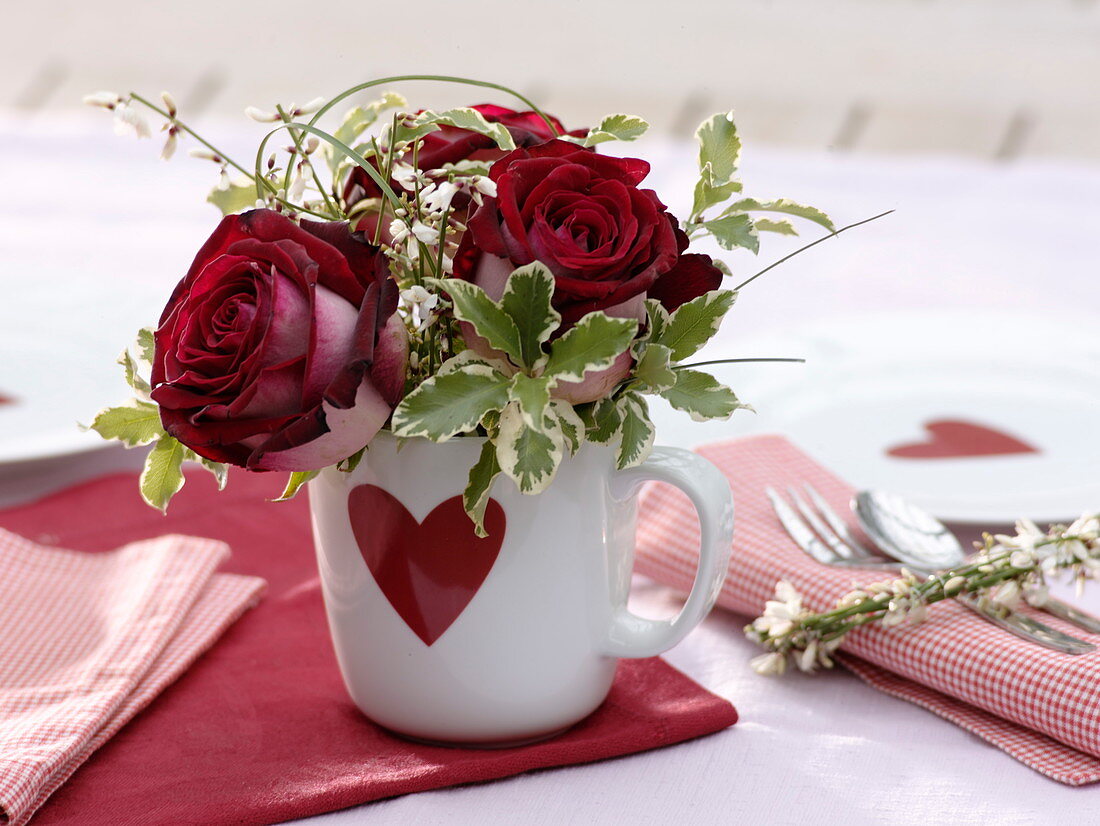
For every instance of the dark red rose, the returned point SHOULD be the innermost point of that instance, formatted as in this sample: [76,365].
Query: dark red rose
[609,244]
[692,275]
[281,348]
[581,214]
[449,144]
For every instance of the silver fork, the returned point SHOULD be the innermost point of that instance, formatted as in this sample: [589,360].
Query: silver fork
[825,536]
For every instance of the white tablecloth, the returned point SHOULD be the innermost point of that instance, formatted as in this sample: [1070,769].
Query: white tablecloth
[100,233]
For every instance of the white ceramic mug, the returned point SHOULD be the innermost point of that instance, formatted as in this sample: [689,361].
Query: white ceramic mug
[445,637]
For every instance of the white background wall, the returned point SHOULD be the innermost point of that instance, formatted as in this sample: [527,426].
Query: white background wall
[990,78]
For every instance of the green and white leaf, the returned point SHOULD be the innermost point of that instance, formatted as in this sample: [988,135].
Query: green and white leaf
[784,206]
[145,345]
[476,495]
[701,395]
[602,421]
[658,319]
[719,156]
[134,423]
[473,305]
[450,403]
[592,344]
[572,427]
[239,196]
[695,322]
[532,395]
[526,300]
[162,477]
[719,148]
[491,421]
[616,128]
[474,121]
[133,376]
[709,195]
[654,367]
[360,118]
[529,457]
[734,231]
[466,168]
[349,464]
[295,482]
[220,470]
[636,432]
[467,357]
[778,225]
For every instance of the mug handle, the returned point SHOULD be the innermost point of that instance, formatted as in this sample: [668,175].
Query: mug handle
[634,636]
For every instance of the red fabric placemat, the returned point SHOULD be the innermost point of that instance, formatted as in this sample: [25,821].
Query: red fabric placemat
[260,729]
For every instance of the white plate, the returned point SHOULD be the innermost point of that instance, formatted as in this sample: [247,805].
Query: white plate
[872,384]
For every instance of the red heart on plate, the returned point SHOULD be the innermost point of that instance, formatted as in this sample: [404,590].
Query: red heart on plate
[952,438]
[6,399]
[430,570]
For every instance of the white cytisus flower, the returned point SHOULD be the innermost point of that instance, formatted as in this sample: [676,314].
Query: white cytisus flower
[129,121]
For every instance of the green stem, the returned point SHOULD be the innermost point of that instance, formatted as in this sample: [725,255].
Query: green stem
[346,150]
[185,128]
[439,78]
[297,138]
[812,244]
[734,361]
[256,178]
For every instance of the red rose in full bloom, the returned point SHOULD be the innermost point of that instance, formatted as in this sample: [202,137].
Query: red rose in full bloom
[449,144]
[281,348]
[608,243]
[583,215]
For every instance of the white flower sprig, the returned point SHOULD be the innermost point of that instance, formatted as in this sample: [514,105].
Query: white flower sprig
[1005,571]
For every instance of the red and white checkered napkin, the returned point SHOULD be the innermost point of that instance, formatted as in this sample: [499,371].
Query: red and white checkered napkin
[1038,705]
[89,639]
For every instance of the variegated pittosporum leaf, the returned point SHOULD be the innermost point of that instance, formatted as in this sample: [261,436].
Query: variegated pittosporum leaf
[487,317]
[360,118]
[532,395]
[694,323]
[701,395]
[527,301]
[295,482]
[520,323]
[781,205]
[572,427]
[654,368]
[476,495]
[719,155]
[470,120]
[616,128]
[450,403]
[233,196]
[528,456]
[735,226]
[733,231]
[136,423]
[635,433]
[592,344]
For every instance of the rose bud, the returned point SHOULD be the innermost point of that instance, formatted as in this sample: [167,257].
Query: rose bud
[281,348]
[606,241]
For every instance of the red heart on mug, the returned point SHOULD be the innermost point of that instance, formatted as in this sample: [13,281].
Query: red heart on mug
[430,570]
[950,438]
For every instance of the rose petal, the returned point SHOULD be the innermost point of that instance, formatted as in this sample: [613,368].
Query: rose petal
[317,441]
[595,385]
[693,275]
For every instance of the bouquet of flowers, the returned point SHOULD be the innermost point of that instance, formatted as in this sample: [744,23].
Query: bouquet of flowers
[474,271]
